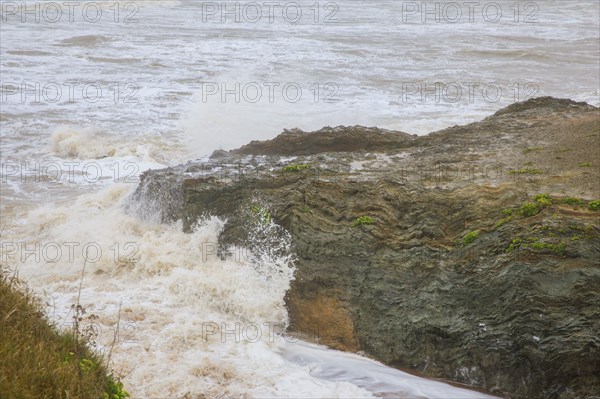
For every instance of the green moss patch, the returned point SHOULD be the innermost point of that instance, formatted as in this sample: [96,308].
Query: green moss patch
[363,220]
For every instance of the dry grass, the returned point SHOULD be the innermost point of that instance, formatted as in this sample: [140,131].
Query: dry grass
[36,361]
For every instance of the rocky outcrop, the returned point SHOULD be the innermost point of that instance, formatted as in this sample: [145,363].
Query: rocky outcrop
[339,139]
[433,253]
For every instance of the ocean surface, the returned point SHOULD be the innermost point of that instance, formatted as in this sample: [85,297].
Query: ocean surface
[94,93]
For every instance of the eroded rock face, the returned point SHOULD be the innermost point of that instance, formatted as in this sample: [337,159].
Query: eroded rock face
[328,139]
[451,275]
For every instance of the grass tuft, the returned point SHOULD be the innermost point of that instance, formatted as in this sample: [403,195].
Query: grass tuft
[470,237]
[535,244]
[363,220]
[572,201]
[295,168]
[542,200]
[37,361]
[529,209]
[532,149]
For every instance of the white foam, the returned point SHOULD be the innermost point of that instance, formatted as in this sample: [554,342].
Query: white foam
[190,322]
[374,376]
[171,289]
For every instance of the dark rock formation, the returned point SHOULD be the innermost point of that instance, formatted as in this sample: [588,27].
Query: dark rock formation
[338,139]
[431,253]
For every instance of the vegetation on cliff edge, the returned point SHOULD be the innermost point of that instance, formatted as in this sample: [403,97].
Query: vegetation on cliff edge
[37,361]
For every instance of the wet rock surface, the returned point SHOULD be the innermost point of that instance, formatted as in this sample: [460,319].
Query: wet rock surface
[434,253]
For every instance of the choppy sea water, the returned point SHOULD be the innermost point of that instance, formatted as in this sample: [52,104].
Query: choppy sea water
[94,93]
